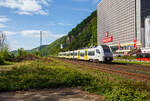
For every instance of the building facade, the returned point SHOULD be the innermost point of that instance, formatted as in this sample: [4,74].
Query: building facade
[147,32]
[122,22]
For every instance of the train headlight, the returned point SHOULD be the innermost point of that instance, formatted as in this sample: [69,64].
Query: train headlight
[108,58]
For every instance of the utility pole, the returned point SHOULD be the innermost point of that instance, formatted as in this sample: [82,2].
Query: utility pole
[40,48]
[40,38]
[41,41]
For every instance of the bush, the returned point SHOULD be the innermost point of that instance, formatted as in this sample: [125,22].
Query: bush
[123,93]
[2,61]
[57,75]
[25,78]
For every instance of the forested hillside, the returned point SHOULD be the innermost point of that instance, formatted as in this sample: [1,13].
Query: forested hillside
[83,35]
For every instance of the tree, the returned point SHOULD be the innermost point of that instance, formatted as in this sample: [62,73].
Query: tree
[4,50]
[3,43]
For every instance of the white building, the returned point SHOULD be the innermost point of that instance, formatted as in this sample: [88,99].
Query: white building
[122,21]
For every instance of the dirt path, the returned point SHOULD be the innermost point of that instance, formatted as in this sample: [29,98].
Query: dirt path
[61,94]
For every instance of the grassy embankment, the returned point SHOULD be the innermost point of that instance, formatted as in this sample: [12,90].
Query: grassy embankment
[54,73]
[132,62]
[125,57]
[130,58]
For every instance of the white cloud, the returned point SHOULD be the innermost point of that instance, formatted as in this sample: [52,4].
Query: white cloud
[43,12]
[60,24]
[26,7]
[23,13]
[36,33]
[14,45]
[8,33]
[31,33]
[3,19]
[63,24]
[2,26]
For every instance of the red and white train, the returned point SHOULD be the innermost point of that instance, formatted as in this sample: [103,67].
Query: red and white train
[144,55]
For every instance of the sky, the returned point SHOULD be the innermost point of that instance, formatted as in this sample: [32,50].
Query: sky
[22,20]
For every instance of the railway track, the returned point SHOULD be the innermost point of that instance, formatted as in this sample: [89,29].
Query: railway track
[126,70]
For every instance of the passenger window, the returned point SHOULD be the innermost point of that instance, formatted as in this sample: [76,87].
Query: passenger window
[97,51]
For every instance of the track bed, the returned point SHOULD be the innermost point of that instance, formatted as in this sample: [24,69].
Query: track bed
[129,71]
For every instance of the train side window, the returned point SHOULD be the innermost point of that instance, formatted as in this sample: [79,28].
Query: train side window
[75,54]
[97,51]
[82,54]
[91,53]
[147,55]
[71,54]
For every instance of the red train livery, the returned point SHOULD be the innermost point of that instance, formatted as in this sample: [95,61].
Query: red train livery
[143,57]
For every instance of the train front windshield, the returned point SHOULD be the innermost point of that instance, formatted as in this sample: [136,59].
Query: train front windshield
[106,49]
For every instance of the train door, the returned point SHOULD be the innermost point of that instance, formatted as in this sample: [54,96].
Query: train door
[98,55]
[78,54]
[86,54]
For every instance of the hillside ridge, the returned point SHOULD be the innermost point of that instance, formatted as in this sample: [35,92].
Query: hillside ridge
[83,35]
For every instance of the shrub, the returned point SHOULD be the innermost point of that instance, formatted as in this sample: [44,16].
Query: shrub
[2,61]
[123,93]
[57,75]
[24,78]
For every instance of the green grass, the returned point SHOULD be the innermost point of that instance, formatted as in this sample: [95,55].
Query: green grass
[125,57]
[55,73]
[132,62]
[5,63]
[140,71]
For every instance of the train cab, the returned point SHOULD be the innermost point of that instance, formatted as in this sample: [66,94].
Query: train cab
[108,55]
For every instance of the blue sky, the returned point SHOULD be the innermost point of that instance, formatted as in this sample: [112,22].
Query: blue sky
[22,20]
